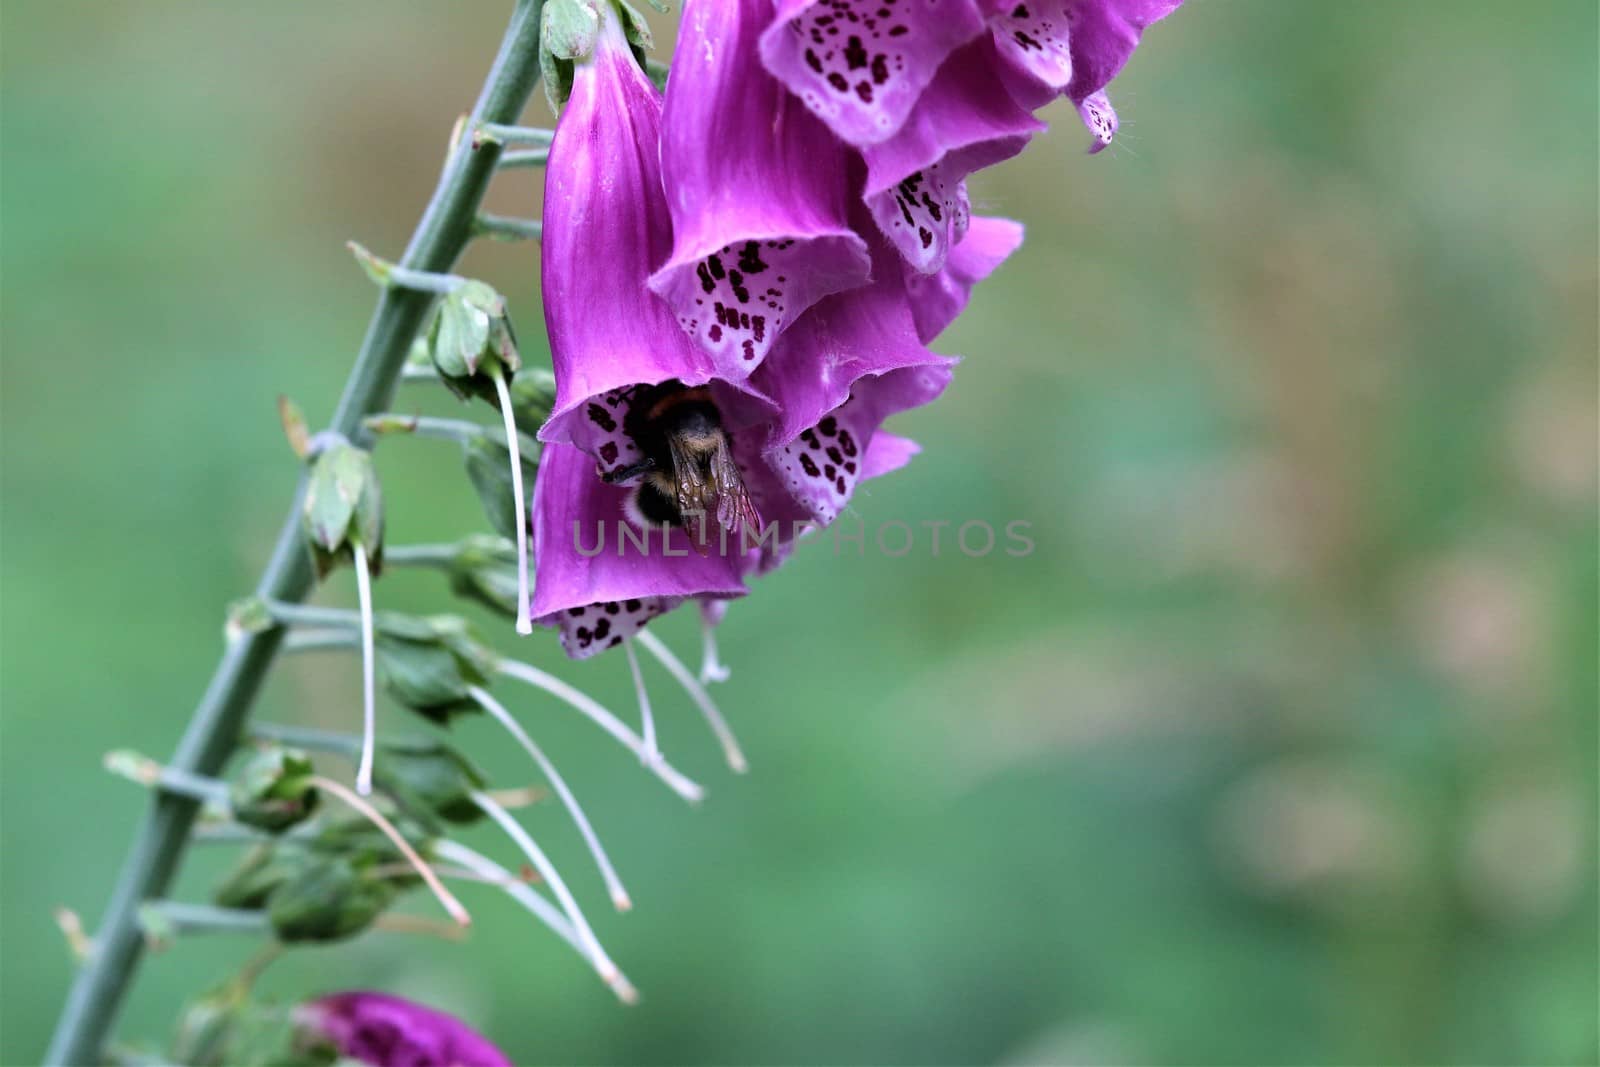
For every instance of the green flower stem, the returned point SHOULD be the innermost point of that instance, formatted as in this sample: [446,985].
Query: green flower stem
[306,737]
[385,273]
[425,281]
[214,730]
[307,615]
[506,228]
[500,133]
[459,430]
[322,640]
[533,157]
[147,772]
[181,918]
[432,555]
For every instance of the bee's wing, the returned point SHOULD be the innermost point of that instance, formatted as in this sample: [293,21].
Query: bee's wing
[733,500]
[694,494]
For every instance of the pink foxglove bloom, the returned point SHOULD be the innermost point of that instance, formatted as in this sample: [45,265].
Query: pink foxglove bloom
[966,119]
[851,363]
[605,228]
[390,1031]
[936,299]
[757,190]
[861,65]
[594,583]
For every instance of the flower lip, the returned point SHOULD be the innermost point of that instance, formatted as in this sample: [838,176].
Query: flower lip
[758,191]
[936,299]
[966,120]
[594,583]
[860,65]
[390,1031]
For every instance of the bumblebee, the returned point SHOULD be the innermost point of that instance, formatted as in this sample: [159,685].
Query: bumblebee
[686,460]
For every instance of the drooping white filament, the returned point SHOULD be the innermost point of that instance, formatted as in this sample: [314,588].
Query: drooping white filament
[712,669]
[369,718]
[652,751]
[541,863]
[524,608]
[619,895]
[540,908]
[596,713]
[702,699]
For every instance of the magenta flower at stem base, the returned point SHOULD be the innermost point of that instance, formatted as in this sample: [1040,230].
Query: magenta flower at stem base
[389,1031]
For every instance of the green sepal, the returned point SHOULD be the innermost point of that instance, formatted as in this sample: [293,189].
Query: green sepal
[343,507]
[485,571]
[206,1028]
[356,840]
[429,663]
[246,616]
[488,463]
[273,791]
[226,1027]
[258,872]
[329,900]
[429,781]
[470,336]
[568,32]
[533,397]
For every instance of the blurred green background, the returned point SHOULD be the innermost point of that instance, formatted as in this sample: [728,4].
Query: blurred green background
[1281,748]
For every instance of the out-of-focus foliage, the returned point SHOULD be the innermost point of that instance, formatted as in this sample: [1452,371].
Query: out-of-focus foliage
[1280,747]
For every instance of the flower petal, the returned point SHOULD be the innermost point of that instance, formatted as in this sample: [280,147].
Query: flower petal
[887,453]
[842,343]
[936,299]
[390,1031]
[605,228]
[860,65]
[1101,118]
[966,120]
[821,467]
[757,188]
[592,578]
[1031,36]
[1103,34]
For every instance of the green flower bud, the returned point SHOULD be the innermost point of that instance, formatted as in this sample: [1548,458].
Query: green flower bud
[273,791]
[533,397]
[471,333]
[224,1027]
[327,901]
[260,871]
[485,570]
[207,1027]
[430,665]
[428,780]
[489,469]
[343,507]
